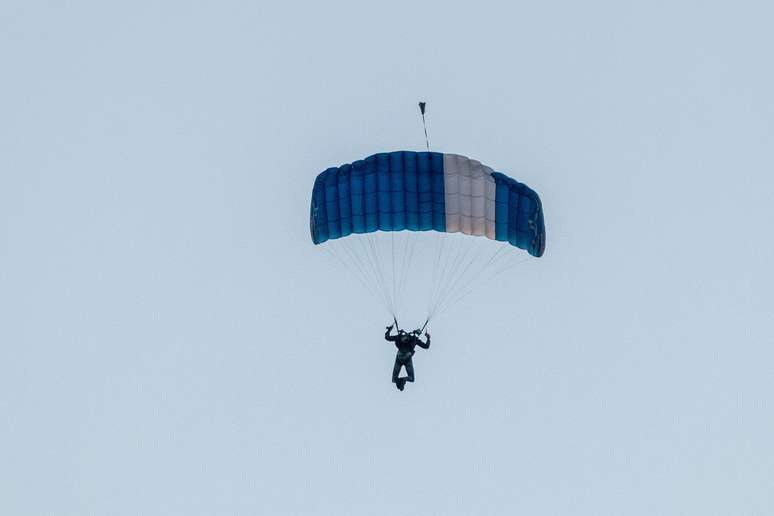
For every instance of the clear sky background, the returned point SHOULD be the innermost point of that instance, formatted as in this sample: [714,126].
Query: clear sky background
[171,342]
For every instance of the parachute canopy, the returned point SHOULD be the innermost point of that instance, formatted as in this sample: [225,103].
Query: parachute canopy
[423,191]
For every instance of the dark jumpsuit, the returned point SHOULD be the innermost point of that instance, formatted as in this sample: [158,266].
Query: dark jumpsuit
[405,343]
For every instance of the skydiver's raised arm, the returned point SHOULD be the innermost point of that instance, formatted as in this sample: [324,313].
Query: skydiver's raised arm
[424,345]
[387,336]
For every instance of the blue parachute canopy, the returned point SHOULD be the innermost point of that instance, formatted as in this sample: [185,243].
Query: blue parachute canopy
[422,191]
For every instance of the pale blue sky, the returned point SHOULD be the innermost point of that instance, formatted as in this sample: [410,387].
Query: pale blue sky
[171,343]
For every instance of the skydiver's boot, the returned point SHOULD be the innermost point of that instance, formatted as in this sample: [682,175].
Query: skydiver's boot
[401,383]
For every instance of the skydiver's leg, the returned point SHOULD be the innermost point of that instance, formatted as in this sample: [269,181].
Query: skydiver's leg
[396,370]
[409,370]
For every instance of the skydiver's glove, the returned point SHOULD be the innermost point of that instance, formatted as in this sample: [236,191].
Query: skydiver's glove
[388,328]
[427,335]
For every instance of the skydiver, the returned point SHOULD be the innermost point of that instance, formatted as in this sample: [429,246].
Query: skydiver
[405,342]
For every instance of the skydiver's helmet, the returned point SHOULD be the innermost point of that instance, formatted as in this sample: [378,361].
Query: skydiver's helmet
[416,332]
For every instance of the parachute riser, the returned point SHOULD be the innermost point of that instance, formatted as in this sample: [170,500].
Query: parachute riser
[397,327]
[424,126]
